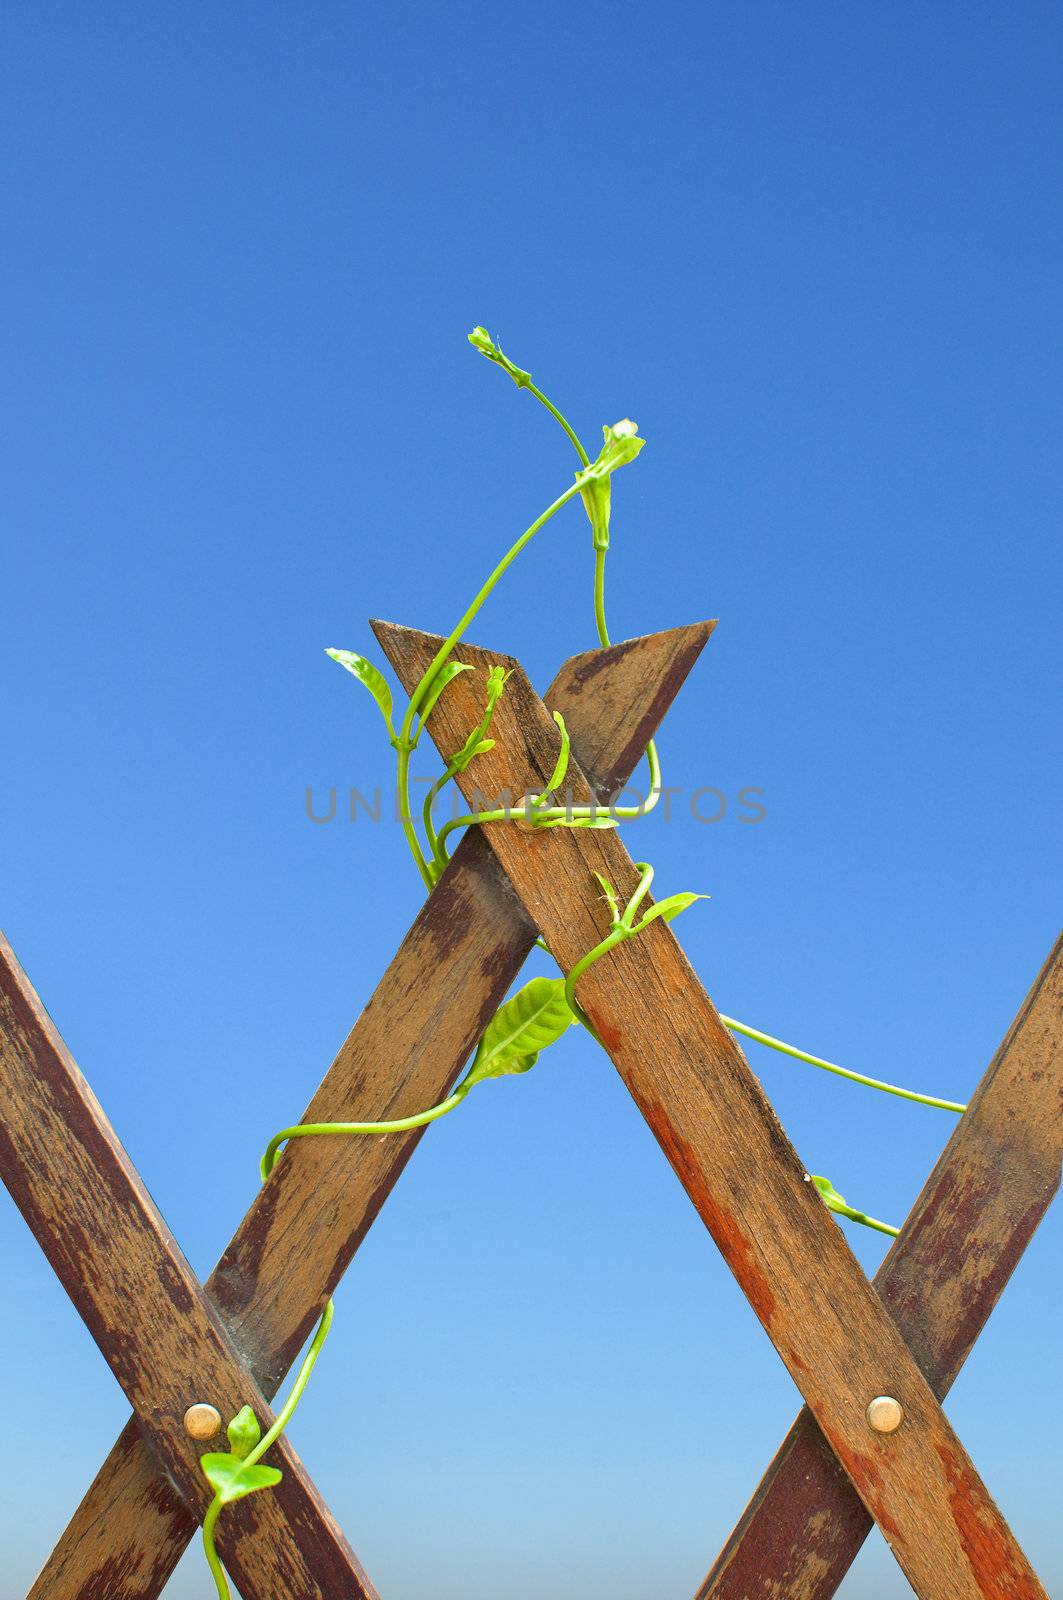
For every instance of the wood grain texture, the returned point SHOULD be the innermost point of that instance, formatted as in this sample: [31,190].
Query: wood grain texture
[403,1054]
[161,1337]
[718,1130]
[941,1279]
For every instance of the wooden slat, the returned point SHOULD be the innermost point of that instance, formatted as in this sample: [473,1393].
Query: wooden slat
[717,1128]
[161,1337]
[413,1037]
[941,1279]
[402,1055]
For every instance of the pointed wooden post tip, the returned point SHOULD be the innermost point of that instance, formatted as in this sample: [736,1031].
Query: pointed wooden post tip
[690,636]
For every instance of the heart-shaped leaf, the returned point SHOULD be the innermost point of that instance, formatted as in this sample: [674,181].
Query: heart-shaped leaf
[370,676]
[529,1021]
[244,1432]
[231,1478]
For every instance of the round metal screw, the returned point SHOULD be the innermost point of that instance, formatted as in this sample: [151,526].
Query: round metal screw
[885,1414]
[202,1421]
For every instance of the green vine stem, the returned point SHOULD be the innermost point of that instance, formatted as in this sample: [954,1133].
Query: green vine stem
[406,742]
[284,1415]
[841,1072]
[837,1202]
[554,412]
[245,1466]
[481,340]
[621,928]
[210,1549]
[303,1130]
[456,633]
[866,1221]
[652,760]
[476,744]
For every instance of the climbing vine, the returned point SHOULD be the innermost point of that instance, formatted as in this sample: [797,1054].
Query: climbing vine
[544,1009]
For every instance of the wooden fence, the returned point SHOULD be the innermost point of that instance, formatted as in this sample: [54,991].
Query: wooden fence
[172,1342]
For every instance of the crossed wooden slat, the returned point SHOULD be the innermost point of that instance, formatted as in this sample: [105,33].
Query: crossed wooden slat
[140,1300]
[711,1118]
[707,1110]
[79,1193]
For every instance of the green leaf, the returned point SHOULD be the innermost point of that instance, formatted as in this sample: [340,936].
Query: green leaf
[829,1194]
[561,764]
[244,1432]
[670,908]
[370,676]
[231,1478]
[446,674]
[529,1021]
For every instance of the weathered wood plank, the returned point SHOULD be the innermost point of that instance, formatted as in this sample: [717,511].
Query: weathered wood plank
[717,1128]
[412,1039]
[139,1298]
[94,1558]
[966,1233]
[402,1055]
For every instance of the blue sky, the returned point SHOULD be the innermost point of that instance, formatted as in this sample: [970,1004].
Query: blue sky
[815,252]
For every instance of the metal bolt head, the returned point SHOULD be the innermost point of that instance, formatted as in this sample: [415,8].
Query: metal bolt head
[885,1414]
[202,1421]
